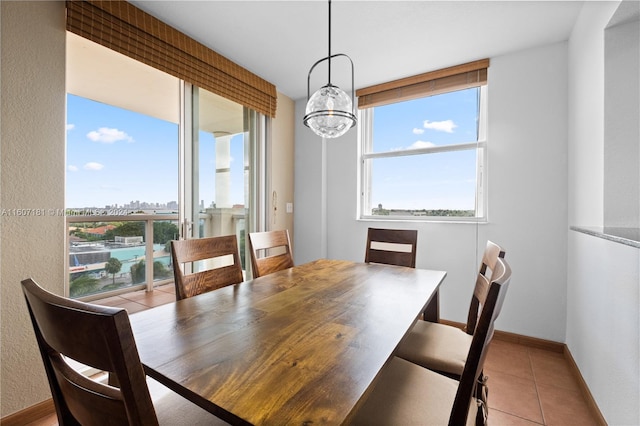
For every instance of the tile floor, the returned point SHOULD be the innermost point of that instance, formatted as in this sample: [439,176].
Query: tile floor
[527,386]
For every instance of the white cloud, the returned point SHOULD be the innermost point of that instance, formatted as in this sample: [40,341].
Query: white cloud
[107,135]
[421,144]
[417,131]
[93,166]
[72,168]
[440,126]
[71,126]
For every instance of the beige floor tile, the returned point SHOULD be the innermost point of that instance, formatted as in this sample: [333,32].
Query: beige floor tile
[563,407]
[167,288]
[514,395]
[551,368]
[499,418]
[131,307]
[509,358]
[150,299]
[109,301]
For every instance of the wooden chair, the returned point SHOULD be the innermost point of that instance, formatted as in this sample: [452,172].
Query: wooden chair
[99,337]
[266,262]
[443,348]
[392,247]
[213,250]
[408,394]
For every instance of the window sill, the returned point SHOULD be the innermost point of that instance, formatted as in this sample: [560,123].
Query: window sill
[626,236]
[424,219]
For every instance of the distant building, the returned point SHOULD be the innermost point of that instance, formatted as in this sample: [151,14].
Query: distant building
[129,240]
[99,231]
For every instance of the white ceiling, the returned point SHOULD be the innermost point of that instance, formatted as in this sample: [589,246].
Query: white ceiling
[387,40]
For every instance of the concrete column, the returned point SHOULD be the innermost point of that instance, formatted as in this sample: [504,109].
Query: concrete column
[223,171]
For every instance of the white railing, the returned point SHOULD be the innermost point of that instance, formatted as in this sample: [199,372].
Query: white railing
[102,247]
[212,222]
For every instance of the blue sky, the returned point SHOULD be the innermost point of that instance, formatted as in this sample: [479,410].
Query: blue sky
[433,181]
[115,156]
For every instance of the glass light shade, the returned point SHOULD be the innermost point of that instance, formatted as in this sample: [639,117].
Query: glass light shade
[329,112]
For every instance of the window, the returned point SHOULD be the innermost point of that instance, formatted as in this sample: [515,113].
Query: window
[137,179]
[423,158]
[121,167]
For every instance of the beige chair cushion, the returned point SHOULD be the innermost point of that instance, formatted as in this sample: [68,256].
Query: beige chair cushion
[437,347]
[172,409]
[407,394]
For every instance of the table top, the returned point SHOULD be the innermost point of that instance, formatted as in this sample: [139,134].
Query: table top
[299,346]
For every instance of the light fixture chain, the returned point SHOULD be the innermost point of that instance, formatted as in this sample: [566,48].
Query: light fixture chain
[329,42]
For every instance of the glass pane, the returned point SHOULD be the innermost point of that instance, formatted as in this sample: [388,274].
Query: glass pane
[119,163]
[445,119]
[119,159]
[439,184]
[107,256]
[221,177]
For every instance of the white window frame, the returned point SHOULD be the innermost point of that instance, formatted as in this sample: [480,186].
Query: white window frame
[365,142]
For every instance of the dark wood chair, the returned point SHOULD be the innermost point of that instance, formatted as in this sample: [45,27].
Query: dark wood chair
[406,393]
[270,252]
[392,246]
[222,267]
[99,337]
[444,348]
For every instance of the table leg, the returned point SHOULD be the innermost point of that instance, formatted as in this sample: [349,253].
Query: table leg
[432,311]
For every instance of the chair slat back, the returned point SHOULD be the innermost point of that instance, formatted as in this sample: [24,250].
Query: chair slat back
[214,250]
[263,245]
[480,342]
[96,336]
[486,274]
[392,246]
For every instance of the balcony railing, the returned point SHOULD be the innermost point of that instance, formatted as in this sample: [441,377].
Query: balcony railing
[102,264]
[110,254]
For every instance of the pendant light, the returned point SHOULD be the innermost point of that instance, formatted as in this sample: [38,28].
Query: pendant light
[330,112]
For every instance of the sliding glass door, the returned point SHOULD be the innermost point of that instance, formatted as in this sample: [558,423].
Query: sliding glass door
[221,147]
[150,159]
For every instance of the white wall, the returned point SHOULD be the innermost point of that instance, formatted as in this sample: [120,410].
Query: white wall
[603,310]
[309,214]
[622,125]
[527,198]
[586,118]
[32,177]
[603,323]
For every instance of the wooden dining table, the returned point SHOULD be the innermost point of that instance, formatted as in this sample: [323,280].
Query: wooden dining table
[302,346]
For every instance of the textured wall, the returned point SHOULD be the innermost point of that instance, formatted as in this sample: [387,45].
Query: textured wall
[31,177]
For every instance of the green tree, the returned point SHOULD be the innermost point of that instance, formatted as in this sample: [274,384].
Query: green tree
[127,229]
[112,267]
[138,272]
[164,231]
[160,271]
[83,285]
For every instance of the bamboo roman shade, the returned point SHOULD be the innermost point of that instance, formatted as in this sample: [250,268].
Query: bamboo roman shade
[126,29]
[460,77]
